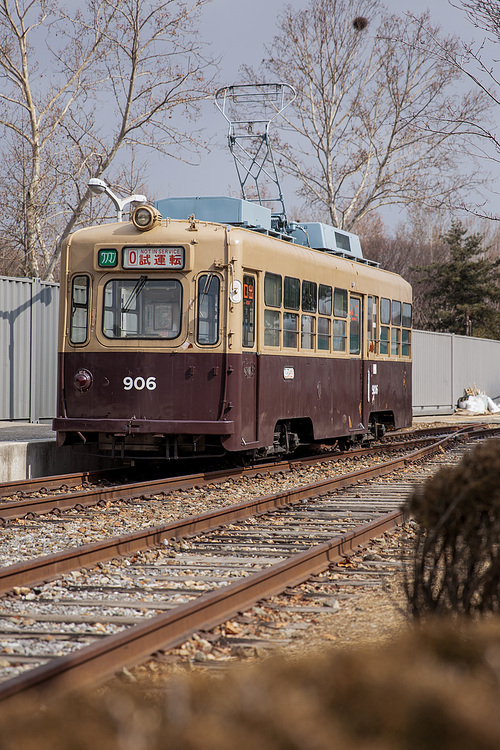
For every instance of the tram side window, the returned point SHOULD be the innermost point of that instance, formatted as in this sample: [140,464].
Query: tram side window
[396,313]
[79,322]
[406,332]
[291,293]
[208,309]
[395,336]
[405,342]
[406,315]
[385,321]
[325,300]
[325,307]
[340,303]
[307,331]
[339,336]
[384,339]
[271,328]
[248,333]
[290,331]
[309,296]
[272,290]
[385,311]
[396,330]
[324,334]
[395,333]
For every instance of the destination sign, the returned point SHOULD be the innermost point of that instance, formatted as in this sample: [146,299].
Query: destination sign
[153,257]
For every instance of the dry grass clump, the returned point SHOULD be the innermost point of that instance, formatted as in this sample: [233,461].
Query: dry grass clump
[456,557]
[438,688]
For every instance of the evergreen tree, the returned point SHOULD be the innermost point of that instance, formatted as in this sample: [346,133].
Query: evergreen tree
[463,293]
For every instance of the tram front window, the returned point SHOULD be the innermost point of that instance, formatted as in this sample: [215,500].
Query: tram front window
[142,308]
[79,310]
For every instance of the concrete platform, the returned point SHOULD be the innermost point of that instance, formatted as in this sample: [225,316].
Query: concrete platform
[460,417]
[29,450]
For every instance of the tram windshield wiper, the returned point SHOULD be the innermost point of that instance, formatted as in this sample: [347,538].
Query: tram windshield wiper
[208,282]
[139,286]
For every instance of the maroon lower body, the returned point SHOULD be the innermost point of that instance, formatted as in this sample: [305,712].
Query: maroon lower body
[232,402]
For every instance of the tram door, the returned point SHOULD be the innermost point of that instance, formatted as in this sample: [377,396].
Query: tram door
[356,352]
[249,361]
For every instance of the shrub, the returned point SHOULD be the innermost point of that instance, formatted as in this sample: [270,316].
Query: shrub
[455,561]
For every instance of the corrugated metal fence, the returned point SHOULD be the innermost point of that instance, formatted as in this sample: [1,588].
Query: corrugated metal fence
[28,349]
[443,364]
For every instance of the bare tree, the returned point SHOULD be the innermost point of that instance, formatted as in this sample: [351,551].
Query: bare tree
[376,121]
[475,60]
[78,87]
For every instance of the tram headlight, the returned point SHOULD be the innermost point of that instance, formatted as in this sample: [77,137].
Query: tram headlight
[82,380]
[145,217]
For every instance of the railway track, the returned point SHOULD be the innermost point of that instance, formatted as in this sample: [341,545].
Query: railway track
[26,498]
[131,507]
[328,606]
[117,601]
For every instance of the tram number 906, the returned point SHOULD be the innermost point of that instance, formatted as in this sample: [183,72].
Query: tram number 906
[139,383]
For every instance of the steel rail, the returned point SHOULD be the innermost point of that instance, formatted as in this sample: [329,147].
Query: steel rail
[55,482]
[50,566]
[91,497]
[99,660]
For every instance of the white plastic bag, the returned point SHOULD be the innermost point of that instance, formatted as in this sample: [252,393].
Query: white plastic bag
[480,404]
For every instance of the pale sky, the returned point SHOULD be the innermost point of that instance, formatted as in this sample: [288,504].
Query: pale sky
[238,30]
